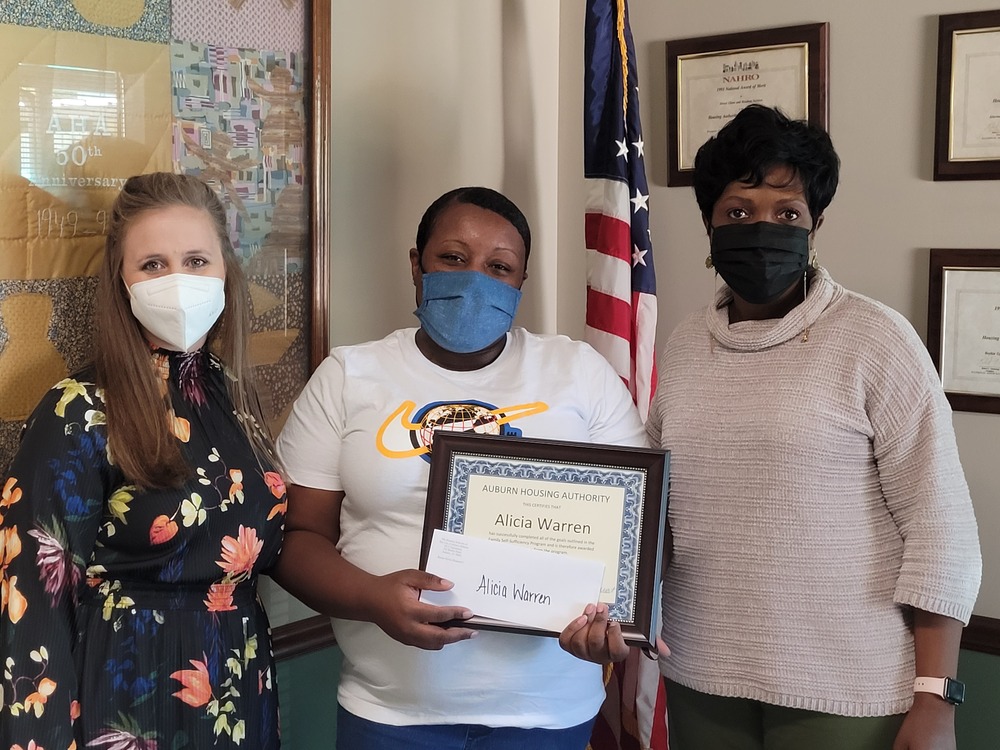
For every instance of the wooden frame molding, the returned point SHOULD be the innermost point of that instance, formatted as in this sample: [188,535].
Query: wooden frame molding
[315,633]
[319,161]
[302,637]
[982,634]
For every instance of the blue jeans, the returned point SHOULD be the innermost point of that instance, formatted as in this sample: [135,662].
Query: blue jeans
[355,733]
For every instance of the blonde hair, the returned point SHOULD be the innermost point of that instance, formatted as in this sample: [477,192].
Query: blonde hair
[139,438]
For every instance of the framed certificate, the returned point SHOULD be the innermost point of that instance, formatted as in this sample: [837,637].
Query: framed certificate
[967,126]
[599,502]
[963,326]
[710,79]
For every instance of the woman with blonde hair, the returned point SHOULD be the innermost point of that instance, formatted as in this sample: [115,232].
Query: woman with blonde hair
[142,504]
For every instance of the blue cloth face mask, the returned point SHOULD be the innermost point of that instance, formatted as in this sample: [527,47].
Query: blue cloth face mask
[465,311]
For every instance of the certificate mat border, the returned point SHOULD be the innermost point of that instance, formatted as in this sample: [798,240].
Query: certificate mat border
[944,167]
[464,465]
[814,35]
[943,260]
[455,455]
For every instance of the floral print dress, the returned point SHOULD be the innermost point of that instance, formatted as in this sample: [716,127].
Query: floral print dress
[129,619]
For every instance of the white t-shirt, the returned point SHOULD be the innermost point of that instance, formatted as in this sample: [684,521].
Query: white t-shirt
[361,426]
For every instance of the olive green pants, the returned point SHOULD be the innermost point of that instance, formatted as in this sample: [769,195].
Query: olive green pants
[698,721]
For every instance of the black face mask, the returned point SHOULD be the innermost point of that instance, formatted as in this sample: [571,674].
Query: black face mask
[760,261]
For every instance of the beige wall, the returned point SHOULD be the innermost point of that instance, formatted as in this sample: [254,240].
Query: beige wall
[888,211]
[428,95]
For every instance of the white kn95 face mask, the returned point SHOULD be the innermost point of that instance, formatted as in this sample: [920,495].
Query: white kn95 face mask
[180,308]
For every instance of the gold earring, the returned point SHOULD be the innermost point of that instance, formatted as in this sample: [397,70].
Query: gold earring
[708,262]
[814,261]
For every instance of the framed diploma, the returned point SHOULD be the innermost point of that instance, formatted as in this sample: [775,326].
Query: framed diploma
[710,79]
[963,326]
[967,127]
[595,502]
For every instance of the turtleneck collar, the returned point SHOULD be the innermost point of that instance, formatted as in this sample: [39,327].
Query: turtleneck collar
[756,335]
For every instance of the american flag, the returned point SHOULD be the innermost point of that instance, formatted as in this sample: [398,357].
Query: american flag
[621,283]
[621,306]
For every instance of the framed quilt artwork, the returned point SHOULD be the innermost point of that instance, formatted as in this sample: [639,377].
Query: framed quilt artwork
[109,90]
[95,109]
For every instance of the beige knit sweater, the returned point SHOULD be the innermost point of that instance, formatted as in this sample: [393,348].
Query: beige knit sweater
[816,495]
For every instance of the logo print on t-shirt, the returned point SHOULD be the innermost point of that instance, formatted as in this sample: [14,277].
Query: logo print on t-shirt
[457,416]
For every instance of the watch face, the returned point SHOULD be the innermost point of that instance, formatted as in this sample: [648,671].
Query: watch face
[954,691]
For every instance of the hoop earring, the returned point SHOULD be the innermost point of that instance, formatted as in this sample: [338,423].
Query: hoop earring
[805,297]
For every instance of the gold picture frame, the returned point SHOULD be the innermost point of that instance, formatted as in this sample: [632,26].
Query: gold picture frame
[709,79]
[967,122]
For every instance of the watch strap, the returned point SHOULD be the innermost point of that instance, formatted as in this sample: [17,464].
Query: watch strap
[945,688]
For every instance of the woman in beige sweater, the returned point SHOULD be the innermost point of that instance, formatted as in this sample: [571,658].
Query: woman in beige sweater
[825,549]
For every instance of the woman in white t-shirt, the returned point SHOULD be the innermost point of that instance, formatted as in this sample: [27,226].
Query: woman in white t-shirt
[357,447]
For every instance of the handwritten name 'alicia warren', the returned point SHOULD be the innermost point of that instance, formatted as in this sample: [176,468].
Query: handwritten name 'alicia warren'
[518,592]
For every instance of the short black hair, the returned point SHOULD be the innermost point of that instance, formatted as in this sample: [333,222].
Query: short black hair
[483,197]
[756,141]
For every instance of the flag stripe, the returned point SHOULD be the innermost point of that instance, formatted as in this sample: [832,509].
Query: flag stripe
[609,314]
[657,729]
[621,305]
[609,197]
[608,275]
[650,696]
[645,348]
[614,348]
[609,236]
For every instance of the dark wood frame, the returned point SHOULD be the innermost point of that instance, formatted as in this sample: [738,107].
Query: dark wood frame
[944,168]
[982,634]
[942,260]
[814,35]
[315,633]
[302,637]
[643,629]
[319,163]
